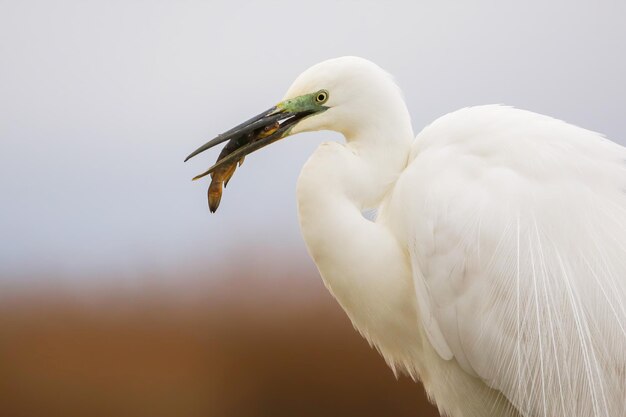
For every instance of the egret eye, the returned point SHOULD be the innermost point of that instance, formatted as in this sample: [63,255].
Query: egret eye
[321,97]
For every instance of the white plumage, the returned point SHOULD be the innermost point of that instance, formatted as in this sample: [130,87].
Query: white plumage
[496,269]
[520,266]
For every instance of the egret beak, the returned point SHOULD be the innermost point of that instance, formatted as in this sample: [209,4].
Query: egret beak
[251,135]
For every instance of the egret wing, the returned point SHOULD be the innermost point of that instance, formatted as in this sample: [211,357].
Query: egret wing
[516,228]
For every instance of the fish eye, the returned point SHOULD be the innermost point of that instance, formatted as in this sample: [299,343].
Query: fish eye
[321,96]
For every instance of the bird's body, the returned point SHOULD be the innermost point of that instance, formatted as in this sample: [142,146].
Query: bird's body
[495,270]
[435,283]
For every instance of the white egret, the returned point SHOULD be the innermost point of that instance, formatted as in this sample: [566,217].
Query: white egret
[495,270]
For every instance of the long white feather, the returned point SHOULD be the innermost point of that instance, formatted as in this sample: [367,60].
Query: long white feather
[517,230]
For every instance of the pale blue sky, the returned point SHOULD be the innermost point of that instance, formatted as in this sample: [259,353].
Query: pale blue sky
[100,101]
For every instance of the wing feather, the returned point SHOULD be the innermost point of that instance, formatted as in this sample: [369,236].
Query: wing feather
[516,228]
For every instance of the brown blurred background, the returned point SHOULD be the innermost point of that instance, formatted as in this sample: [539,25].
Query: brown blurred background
[246,346]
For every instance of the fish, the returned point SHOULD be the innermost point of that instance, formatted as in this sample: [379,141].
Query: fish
[222,175]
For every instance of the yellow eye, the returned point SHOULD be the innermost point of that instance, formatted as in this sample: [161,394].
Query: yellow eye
[321,96]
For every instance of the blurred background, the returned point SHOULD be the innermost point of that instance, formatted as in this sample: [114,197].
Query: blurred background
[120,295]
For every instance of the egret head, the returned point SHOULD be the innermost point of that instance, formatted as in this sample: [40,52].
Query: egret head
[359,92]
[348,95]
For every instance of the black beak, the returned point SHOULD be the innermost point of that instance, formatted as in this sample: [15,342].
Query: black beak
[249,136]
[240,130]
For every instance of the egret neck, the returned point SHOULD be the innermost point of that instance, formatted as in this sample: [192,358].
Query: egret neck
[336,184]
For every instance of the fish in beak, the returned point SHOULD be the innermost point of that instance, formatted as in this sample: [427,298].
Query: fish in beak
[266,128]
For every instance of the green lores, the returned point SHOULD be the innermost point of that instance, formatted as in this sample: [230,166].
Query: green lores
[266,128]
[307,104]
